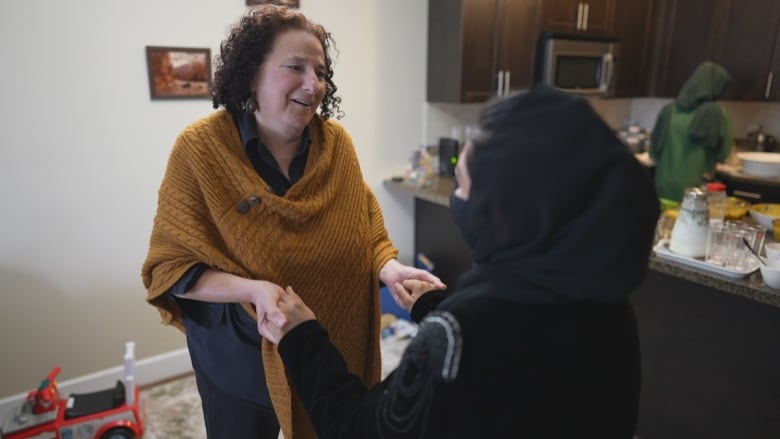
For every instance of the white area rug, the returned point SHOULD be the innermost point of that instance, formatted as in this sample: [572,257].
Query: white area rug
[173,409]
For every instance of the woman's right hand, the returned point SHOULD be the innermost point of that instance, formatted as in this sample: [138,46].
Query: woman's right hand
[295,312]
[221,287]
[266,297]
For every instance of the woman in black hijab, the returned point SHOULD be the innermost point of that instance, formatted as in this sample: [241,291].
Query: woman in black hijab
[539,339]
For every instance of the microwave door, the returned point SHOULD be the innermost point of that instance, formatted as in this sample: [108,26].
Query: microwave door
[578,73]
[579,66]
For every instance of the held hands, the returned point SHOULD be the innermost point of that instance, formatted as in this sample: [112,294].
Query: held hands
[266,300]
[294,312]
[395,276]
[410,290]
[283,310]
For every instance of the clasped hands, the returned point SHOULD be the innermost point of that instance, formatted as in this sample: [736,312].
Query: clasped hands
[406,285]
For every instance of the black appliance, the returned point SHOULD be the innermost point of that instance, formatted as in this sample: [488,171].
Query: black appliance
[448,156]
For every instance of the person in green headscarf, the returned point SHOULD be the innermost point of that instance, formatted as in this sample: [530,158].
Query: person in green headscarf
[692,133]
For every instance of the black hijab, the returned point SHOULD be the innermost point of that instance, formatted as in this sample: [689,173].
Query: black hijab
[559,209]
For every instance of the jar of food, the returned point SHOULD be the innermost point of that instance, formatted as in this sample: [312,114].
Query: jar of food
[689,235]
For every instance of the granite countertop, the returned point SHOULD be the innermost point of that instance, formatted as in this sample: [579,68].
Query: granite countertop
[751,286]
[439,189]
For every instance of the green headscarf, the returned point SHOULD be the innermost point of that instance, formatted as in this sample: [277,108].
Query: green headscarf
[706,85]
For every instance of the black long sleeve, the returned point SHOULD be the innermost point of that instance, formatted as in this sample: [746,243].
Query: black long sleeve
[426,303]
[339,404]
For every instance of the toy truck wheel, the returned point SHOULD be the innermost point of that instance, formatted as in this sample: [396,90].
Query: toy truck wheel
[118,433]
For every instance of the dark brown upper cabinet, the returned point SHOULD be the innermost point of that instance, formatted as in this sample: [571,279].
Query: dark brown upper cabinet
[687,36]
[740,35]
[478,49]
[746,46]
[634,28]
[593,17]
[772,91]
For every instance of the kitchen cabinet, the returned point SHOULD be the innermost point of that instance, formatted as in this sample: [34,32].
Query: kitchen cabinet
[749,38]
[709,365]
[740,35]
[632,24]
[753,189]
[570,16]
[772,90]
[688,32]
[634,28]
[478,49]
[773,78]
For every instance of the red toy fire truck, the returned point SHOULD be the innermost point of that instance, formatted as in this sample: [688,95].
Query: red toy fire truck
[114,413]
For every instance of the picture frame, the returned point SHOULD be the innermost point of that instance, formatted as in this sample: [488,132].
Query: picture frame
[179,72]
[288,3]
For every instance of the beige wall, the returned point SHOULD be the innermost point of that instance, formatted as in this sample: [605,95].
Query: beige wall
[83,151]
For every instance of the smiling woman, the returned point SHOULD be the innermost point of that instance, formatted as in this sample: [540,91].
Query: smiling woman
[265,193]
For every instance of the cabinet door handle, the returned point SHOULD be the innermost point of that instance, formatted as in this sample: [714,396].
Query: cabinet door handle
[608,63]
[506,82]
[579,16]
[500,88]
[768,88]
[585,16]
[753,195]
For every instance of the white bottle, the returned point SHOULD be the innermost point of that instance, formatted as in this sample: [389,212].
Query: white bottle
[689,235]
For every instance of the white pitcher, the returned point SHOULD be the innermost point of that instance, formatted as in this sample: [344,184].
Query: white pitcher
[689,235]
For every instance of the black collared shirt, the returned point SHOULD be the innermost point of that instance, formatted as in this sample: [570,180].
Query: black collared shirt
[264,163]
[222,339]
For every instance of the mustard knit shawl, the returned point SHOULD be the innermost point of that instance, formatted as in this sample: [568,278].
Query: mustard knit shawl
[326,238]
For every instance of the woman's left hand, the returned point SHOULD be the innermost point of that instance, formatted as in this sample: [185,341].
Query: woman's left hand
[394,273]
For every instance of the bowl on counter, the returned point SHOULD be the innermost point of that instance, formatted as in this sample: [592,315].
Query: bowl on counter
[736,208]
[772,250]
[771,275]
[765,213]
[760,164]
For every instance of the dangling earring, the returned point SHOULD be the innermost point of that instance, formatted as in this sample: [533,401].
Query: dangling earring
[249,105]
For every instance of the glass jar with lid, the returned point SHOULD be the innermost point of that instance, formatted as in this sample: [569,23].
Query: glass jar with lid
[717,201]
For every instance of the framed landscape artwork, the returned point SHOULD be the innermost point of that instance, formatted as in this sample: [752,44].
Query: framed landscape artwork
[288,3]
[178,72]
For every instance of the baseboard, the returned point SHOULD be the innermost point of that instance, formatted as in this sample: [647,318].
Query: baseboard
[147,371]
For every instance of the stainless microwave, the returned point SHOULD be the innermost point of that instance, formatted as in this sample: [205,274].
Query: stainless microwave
[578,65]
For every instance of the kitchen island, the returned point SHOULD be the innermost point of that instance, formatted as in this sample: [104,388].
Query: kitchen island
[710,344]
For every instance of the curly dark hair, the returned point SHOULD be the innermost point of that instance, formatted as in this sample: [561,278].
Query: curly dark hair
[246,48]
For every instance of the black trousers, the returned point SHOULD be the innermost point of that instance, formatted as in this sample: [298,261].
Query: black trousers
[228,417]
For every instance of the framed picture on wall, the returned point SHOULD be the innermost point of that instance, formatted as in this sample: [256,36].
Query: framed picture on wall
[178,72]
[288,3]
